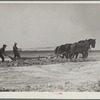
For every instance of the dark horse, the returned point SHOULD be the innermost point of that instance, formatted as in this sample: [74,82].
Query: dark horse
[63,50]
[59,50]
[82,47]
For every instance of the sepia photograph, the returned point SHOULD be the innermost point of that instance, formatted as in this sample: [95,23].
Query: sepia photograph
[49,47]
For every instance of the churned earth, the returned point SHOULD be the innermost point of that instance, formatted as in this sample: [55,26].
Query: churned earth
[50,75]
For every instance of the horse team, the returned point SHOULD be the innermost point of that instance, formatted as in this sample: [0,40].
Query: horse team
[66,50]
[72,50]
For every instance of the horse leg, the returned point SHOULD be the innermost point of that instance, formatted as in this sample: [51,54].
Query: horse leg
[82,54]
[73,55]
[62,56]
[57,55]
[70,56]
[76,55]
[66,56]
[86,55]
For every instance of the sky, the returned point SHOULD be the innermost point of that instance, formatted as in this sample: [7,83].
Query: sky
[48,25]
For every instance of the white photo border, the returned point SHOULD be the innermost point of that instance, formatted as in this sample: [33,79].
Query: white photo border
[50,95]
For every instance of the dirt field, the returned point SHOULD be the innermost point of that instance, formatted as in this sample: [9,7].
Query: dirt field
[79,76]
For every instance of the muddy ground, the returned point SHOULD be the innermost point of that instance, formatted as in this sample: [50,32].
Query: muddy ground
[49,75]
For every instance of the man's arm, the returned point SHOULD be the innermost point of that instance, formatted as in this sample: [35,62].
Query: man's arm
[3,52]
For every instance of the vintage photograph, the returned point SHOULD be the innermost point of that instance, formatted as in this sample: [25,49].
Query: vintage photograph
[49,47]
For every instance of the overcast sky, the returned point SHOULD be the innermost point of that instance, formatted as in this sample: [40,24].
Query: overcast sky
[48,25]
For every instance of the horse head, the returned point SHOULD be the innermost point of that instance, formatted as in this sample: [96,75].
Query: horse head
[92,42]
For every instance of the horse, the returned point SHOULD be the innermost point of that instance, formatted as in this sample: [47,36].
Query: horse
[82,47]
[76,53]
[63,51]
[59,50]
[56,51]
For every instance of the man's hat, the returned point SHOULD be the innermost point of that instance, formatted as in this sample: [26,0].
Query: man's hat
[15,43]
[4,45]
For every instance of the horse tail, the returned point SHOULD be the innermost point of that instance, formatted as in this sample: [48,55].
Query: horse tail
[56,50]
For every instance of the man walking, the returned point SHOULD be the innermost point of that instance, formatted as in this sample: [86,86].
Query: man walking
[15,51]
[2,52]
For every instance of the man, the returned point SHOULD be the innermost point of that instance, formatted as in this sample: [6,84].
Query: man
[2,52]
[15,51]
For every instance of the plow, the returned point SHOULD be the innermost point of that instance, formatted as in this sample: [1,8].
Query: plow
[25,58]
